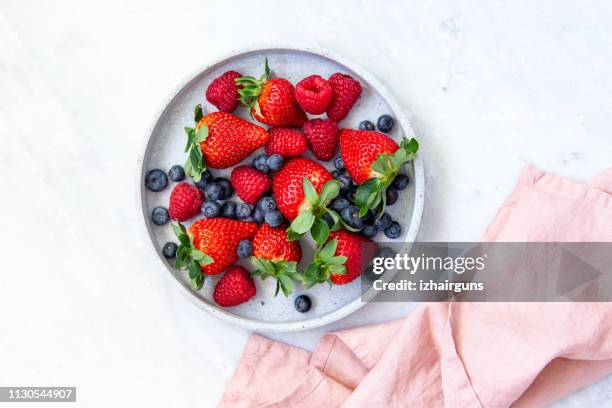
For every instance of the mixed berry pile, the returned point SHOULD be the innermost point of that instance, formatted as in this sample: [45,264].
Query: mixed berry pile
[282,195]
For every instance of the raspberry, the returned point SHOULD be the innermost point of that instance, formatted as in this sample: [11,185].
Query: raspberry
[223,92]
[287,142]
[234,288]
[346,91]
[250,184]
[185,201]
[313,94]
[322,136]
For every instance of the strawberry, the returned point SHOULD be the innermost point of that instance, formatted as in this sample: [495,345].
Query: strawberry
[249,183]
[313,94]
[271,100]
[185,201]
[346,91]
[287,142]
[235,287]
[322,136]
[340,260]
[221,140]
[303,189]
[223,91]
[209,246]
[373,160]
[274,255]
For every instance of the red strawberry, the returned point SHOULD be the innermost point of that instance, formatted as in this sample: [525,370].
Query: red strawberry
[313,94]
[287,142]
[274,255]
[249,183]
[341,259]
[185,201]
[235,287]
[373,160]
[272,101]
[322,136]
[287,184]
[346,91]
[230,139]
[209,246]
[223,92]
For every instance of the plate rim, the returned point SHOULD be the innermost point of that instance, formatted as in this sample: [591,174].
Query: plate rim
[415,219]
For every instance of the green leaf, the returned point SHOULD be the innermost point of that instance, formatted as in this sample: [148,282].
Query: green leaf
[303,222]
[286,284]
[207,260]
[194,270]
[190,136]
[319,231]
[201,134]
[337,260]
[310,192]
[292,235]
[330,190]
[197,255]
[337,269]
[198,113]
[328,250]
[366,190]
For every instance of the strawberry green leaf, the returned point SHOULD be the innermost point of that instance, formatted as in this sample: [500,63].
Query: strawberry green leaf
[190,137]
[319,231]
[303,222]
[330,190]
[198,114]
[328,250]
[293,236]
[286,284]
[310,192]
[201,134]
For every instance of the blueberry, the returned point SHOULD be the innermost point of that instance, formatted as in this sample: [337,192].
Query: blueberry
[213,191]
[211,209]
[266,203]
[339,164]
[302,303]
[206,178]
[244,249]
[275,162]
[336,174]
[370,217]
[350,194]
[385,123]
[400,182]
[176,173]
[243,211]
[261,163]
[228,190]
[346,181]
[169,250]
[328,219]
[369,231]
[366,125]
[384,221]
[160,216]
[394,230]
[350,215]
[156,180]
[339,204]
[273,218]
[258,216]
[392,196]
[228,210]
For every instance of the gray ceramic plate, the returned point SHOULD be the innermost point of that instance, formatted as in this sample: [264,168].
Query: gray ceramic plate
[165,148]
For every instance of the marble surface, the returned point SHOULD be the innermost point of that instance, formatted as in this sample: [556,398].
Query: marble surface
[83,302]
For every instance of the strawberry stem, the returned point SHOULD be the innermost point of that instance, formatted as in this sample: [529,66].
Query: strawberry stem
[285,272]
[190,258]
[250,89]
[324,264]
[195,165]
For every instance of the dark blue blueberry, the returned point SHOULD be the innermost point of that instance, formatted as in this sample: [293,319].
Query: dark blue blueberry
[384,221]
[336,174]
[302,303]
[169,250]
[369,231]
[206,178]
[392,196]
[160,216]
[400,182]
[346,181]
[328,219]
[244,249]
[385,123]
[266,203]
[339,164]
[366,125]
[261,163]
[350,215]
[176,173]
[350,194]
[370,217]
[243,211]
[213,191]
[156,180]
[394,230]
[258,216]
[273,218]
[229,209]
[275,162]
[339,204]
[228,190]
[211,209]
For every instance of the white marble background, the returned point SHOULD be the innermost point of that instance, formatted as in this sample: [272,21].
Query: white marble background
[491,85]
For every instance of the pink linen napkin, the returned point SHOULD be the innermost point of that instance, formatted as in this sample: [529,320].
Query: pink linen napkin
[458,354]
